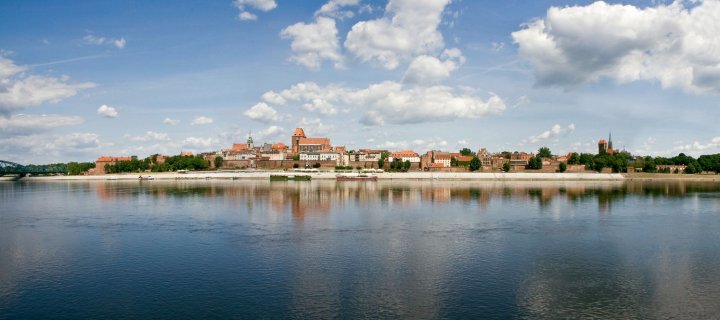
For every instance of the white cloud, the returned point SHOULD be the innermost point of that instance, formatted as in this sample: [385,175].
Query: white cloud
[698,147]
[120,43]
[314,126]
[262,5]
[554,132]
[197,143]
[97,40]
[247,16]
[271,133]
[418,145]
[263,113]
[201,121]
[393,103]
[427,69]
[171,122]
[30,124]
[274,98]
[314,98]
[19,90]
[408,29]
[314,42]
[107,111]
[75,141]
[149,136]
[333,8]
[40,149]
[676,45]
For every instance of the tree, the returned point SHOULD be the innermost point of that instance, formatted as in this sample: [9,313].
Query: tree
[475,164]
[563,167]
[218,162]
[544,152]
[506,167]
[381,162]
[406,165]
[466,152]
[296,157]
[453,162]
[535,163]
[574,158]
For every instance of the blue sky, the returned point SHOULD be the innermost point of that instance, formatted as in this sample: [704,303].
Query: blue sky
[86,78]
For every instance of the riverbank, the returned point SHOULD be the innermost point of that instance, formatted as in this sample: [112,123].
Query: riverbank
[261,175]
[670,177]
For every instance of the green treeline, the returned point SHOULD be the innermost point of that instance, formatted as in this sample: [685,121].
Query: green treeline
[621,161]
[173,163]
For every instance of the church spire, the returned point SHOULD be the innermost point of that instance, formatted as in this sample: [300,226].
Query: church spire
[610,141]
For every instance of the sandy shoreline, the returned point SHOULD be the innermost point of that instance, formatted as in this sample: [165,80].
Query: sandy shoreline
[264,175]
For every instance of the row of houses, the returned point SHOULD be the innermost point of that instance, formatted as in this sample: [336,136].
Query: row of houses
[313,151]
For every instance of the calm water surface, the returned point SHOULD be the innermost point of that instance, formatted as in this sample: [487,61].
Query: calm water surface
[255,249]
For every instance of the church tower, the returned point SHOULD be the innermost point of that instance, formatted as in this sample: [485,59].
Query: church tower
[250,143]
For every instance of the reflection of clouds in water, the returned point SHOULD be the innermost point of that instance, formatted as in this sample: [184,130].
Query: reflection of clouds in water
[630,268]
[399,248]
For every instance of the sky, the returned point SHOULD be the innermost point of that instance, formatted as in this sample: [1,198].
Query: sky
[82,79]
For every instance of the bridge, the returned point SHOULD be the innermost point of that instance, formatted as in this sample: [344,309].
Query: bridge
[12,168]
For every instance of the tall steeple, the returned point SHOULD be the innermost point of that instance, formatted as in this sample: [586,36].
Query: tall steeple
[250,143]
[610,141]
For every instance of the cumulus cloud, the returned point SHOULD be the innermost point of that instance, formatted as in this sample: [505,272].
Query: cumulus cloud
[263,113]
[18,90]
[674,44]
[315,126]
[274,98]
[391,102]
[408,28]
[107,111]
[75,141]
[197,143]
[31,124]
[50,148]
[697,146]
[271,133]
[334,8]
[314,42]
[554,132]
[201,121]
[171,122]
[426,69]
[149,136]
[262,5]
[418,145]
[97,40]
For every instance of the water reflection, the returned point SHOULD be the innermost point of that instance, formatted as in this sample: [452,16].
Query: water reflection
[318,197]
[385,249]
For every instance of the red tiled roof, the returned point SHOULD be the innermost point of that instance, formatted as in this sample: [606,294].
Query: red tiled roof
[404,153]
[112,159]
[298,133]
[442,157]
[279,146]
[464,158]
[320,141]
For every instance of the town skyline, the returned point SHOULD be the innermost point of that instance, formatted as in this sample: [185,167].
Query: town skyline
[140,79]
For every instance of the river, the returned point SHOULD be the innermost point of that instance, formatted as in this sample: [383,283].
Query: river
[387,249]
